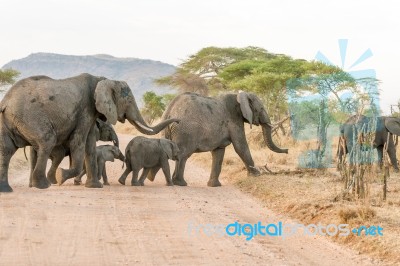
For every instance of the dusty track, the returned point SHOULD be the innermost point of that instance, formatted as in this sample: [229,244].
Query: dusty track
[124,225]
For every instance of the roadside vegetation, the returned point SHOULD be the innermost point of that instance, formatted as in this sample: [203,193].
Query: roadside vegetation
[307,101]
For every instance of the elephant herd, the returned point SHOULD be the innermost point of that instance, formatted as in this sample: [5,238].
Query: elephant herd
[66,117]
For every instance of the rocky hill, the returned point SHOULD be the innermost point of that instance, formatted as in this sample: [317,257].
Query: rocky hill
[138,73]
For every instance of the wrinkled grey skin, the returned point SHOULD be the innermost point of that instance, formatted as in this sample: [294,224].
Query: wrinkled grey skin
[104,153]
[151,155]
[385,126]
[104,132]
[211,124]
[45,113]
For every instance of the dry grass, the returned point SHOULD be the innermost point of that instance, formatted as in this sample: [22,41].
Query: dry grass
[307,195]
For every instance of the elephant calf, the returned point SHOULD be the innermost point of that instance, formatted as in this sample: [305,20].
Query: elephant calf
[151,155]
[104,153]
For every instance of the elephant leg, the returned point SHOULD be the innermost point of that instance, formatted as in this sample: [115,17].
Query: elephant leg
[217,158]
[92,180]
[153,172]
[380,156]
[242,149]
[39,179]
[178,179]
[167,172]
[125,174]
[105,178]
[102,171]
[391,149]
[77,153]
[32,163]
[135,174]
[7,150]
[78,179]
[143,176]
[57,154]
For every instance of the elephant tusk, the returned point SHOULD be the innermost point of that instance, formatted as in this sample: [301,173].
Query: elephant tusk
[143,126]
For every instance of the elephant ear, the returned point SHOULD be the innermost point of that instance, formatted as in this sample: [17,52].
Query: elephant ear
[393,125]
[244,102]
[104,99]
[97,132]
[167,148]
[108,153]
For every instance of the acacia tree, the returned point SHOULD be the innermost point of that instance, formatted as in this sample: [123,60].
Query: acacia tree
[8,77]
[200,72]
[338,94]
[153,106]
[253,69]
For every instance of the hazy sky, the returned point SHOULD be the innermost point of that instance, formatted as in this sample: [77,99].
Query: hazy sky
[170,30]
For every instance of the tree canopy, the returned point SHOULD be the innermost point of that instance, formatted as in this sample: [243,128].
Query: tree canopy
[154,105]
[8,76]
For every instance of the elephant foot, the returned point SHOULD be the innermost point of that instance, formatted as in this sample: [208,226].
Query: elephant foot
[253,171]
[41,184]
[179,182]
[106,183]
[4,187]
[121,181]
[77,182]
[61,176]
[93,184]
[170,183]
[213,183]
[136,184]
[396,170]
[52,179]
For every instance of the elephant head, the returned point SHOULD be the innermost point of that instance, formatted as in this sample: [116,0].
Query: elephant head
[170,148]
[110,153]
[106,132]
[253,112]
[392,124]
[114,100]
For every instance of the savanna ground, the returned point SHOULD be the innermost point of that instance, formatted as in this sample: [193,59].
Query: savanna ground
[157,225]
[311,195]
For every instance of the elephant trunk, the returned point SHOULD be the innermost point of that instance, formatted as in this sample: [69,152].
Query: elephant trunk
[135,118]
[114,138]
[267,134]
[121,157]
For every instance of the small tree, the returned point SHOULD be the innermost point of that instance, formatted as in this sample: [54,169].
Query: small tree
[8,76]
[154,106]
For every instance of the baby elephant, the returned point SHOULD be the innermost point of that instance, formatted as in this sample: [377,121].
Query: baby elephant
[151,155]
[104,153]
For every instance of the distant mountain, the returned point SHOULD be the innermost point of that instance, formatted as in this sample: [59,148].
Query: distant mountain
[138,73]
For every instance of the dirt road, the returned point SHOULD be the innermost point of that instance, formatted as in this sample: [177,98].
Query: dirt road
[150,225]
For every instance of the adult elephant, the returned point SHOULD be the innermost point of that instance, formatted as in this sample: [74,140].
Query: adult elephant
[104,132]
[211,124]
[45,113]
[356,126]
